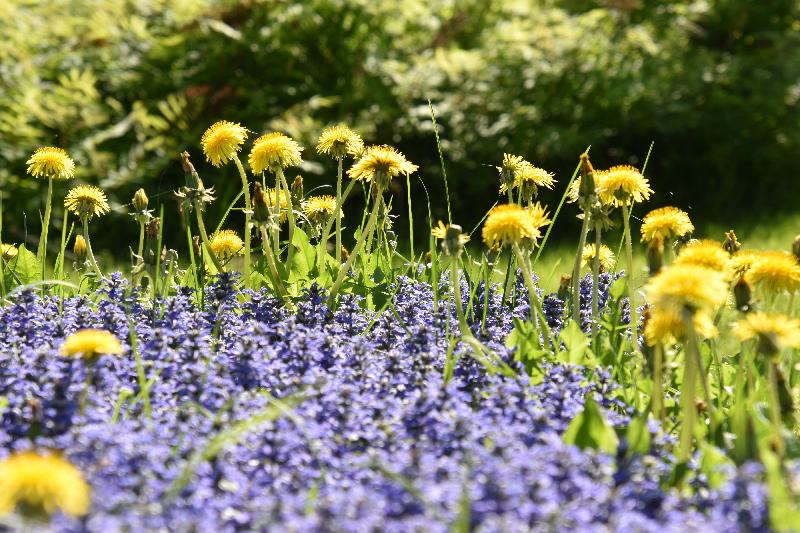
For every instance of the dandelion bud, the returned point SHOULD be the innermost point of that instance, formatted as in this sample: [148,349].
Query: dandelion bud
[796,247]
[260,204]
[153,227]
[655,256]
[79,248]
[345,254]
[564,287]
[453,240]
[187,165]
[587,185]
[297,187]
[784,395]
[742,293]
[140,200]
[731,243]
[8,251]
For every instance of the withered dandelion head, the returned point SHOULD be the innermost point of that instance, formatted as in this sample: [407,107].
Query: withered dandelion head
[222,140]
[86,201]
[380,164]
[774,332]
[226,244]
[274,151]
[51,162]
[607,260]
[340,141]
[36,485]
[776,272]
[667,326]
[622,184]
[667,223]
[705,253]
[318,209]
[509,224]
[91,343]
[687,286]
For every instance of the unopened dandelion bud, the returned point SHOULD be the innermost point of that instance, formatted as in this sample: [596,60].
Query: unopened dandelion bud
[297,188]
[153,227]
[453,243]
[731,243]
[79,248]
[140,200]
[564,287]
[260,204]
[196,246]
[345,254]
[742,294]
[655,256]
[796,247]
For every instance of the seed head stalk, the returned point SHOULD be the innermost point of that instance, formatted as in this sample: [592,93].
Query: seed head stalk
[42,252]
[631,292]
[339,201]
[247,215]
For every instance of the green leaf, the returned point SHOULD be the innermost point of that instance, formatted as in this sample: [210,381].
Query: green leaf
[638,435]
[711,464]
[304,257]
[591,430]
[575,342]
[25,267]
[784,508]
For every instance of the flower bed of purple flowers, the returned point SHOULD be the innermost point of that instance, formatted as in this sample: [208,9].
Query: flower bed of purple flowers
[257,418]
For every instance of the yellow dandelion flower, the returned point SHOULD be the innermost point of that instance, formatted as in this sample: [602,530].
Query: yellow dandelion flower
[705,253]
[607,260]
[509,224]
[574,192]
[687,285]
[51,162]
[339,141]
[91,343]
[530,174]
[274,151]
[36,485]
[318,209]
[87,201]
[381,164]
[539,215]
[227,244]
[774,332]
[622,184]
[667,326]
[743,260]
[667,223]
[284,200]
[8,251]
[775,271]
[222,140]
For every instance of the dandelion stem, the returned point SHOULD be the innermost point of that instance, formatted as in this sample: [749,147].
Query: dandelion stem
[576,271]
[688,387]
[290,209]
[775,406]
[595,285]
[631,292]
[658,382]
[537,315]
[247,214]
[279,287]
[42,252]
[339,201]
[204,235]
[89,252]
[373,217]
[140,247]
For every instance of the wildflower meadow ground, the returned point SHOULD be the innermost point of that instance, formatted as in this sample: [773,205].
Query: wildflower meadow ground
[307,373]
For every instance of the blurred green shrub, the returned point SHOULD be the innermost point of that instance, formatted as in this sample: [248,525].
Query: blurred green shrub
[125,86]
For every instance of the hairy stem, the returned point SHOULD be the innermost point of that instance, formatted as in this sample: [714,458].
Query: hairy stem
[247,214]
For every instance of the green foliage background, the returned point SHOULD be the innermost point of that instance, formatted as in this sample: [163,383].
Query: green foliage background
[126,85]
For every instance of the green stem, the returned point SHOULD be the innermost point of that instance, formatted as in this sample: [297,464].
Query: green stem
[410,224]
[688,387]
[290,209]
[204,235]
[338,219]
[658,382]
[775,407]
[462,320]
[87,383]
[631,292]
[247,214]
[140,248]
[576,270]
[357,248]
[279,287]
[595,285]
[42,252]
[339,201]
[89,252]
[536,307]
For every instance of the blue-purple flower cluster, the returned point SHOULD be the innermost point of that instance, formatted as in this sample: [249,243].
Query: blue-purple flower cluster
[240,415]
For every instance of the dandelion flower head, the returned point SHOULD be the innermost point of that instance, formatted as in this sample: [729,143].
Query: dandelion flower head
[381,164]
[87,201]
[667,223]
[775,332]
[687,286]
[509,224]
[705,253]
[607,260]
[339,141]
[622,184]
[775,271]
[273,152]
[226,244]
[51,162]
[319,209]
[90,343]
[667,326]
[222,140]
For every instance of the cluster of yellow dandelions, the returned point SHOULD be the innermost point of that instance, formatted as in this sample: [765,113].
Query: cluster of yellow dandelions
[617,186]
[37,484]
